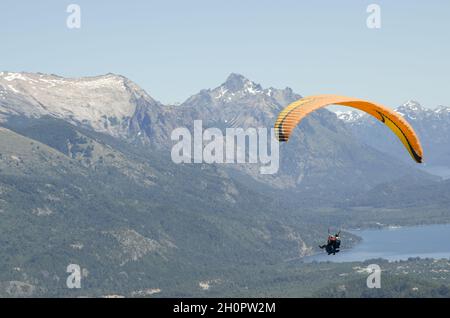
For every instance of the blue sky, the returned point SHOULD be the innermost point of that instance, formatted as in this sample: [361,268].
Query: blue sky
[175,48]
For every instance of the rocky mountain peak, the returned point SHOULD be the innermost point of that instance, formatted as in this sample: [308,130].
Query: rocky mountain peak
[441,109]
[411,107]
[237,83]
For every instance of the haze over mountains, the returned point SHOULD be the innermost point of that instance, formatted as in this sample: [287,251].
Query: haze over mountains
[86,177]
[321,155]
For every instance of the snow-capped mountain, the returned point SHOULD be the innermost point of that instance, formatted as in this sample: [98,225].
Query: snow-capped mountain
[414,111]
[237,87]
[105,103]
[239,102]
[115,105]
[432,126]
[349,116]
[411,110]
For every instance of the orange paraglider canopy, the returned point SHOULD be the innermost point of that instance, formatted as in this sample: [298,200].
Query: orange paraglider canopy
[290,116]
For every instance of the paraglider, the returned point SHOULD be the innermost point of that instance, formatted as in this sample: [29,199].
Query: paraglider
[293,114]
[333,243]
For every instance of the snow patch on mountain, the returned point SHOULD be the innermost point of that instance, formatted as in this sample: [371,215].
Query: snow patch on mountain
[105,103]
[411,110]
[348,115]
[235,87]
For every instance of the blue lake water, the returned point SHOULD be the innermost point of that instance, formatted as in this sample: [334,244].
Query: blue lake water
[430,241]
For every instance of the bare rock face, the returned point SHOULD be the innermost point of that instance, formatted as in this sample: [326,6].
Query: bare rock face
[104,103]
[17,289]
[135,246]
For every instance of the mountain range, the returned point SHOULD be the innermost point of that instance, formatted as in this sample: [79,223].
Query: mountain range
[322,154]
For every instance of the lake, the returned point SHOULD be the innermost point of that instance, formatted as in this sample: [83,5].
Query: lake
[430,241]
